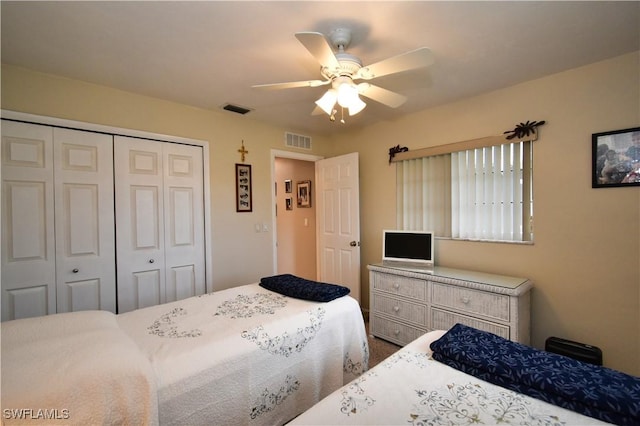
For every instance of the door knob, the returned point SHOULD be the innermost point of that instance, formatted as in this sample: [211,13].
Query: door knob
[354,243]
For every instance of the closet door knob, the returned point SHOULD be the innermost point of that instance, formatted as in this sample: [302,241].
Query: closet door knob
[75,270]
[151,260]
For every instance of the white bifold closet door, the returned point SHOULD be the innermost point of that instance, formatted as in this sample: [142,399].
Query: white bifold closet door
[85,228]
[160,222]
[58,248]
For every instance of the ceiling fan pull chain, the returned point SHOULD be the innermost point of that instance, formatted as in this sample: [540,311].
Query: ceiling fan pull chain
[342,114]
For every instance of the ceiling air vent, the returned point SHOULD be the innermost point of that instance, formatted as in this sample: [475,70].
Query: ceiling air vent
[297,141]
[236,109]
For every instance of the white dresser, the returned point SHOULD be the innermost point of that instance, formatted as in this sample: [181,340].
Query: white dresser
[406,303]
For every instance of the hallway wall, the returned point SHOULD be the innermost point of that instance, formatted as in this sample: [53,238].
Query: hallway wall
[296,228]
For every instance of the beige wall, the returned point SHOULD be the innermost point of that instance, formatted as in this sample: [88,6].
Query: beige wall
[585,261]
[296,227]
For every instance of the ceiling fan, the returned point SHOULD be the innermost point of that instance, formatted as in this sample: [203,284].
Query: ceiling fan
[342,70]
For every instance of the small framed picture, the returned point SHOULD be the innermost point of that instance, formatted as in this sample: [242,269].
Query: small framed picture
[616,158]
[289,203]
[287,186]
[244,202]
[304,193]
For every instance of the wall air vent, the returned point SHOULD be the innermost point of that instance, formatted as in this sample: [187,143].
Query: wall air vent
[297,141]
[236,109]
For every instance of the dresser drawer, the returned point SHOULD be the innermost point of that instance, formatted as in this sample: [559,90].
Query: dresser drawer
[401,286]
[400,309]
[394,331]
[490,305]
[443,320]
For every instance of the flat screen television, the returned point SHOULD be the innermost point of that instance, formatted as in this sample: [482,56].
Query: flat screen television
[411,248]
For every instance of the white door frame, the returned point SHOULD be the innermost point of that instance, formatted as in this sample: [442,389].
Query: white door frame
[52,121]
[277,153]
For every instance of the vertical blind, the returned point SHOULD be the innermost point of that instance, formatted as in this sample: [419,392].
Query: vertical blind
[424,195]
[479,194]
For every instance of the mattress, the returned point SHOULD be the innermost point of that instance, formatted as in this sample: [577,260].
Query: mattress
[74,368]
[410,388]
[247,355]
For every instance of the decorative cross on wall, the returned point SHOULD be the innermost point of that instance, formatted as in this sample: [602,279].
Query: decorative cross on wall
[242,152]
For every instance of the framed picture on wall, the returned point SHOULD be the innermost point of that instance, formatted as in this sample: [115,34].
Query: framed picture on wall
[244,202]
[304,193]
[287,186]
[289,203]
[616,158]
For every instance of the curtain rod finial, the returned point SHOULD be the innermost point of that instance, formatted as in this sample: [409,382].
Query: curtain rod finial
[396,149]
[524,129]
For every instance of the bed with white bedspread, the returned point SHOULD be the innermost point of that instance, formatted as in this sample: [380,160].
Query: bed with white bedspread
[245,356]
[412,388]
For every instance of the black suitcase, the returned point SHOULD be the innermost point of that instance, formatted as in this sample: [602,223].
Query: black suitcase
[575,350]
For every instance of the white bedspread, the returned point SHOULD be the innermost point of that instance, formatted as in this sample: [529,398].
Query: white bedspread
[76,368]
[247,355]
[411,388]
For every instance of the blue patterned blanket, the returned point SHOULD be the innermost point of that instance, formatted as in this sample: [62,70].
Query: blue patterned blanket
[588,389]
[300,288]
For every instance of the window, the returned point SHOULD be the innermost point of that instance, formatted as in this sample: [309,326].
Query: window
[477,194]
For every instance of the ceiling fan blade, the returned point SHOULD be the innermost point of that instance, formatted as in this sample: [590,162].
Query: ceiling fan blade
[292,84]
[418,58]
[384,96]
[319,47]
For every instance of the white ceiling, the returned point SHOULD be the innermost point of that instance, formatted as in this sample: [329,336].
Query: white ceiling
[209,53]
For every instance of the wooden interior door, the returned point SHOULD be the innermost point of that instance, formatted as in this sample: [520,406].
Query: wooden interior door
[28,237]
[338,221]
[84,217]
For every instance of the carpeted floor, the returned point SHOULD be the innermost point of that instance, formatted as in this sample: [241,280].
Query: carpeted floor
[379,349]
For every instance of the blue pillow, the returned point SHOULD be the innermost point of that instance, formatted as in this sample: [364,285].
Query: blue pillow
[300,288]
[592,390]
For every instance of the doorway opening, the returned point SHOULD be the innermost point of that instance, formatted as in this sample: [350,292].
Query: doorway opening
[294,220]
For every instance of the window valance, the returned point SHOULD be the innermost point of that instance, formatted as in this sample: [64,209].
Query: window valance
[524,131]
[449,148]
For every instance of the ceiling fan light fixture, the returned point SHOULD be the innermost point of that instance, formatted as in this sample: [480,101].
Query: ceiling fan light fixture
[356,106]
[347,95]
[327,101]
[348,98]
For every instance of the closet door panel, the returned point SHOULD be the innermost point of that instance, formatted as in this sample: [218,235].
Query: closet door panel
[140,223]
[183,279]
[85,228]
[26,302]
[147,288]
[28,250]
[184,225]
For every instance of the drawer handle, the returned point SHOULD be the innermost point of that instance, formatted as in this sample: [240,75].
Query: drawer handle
[397,332]
[396,286]
[396,309]
[465,300]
